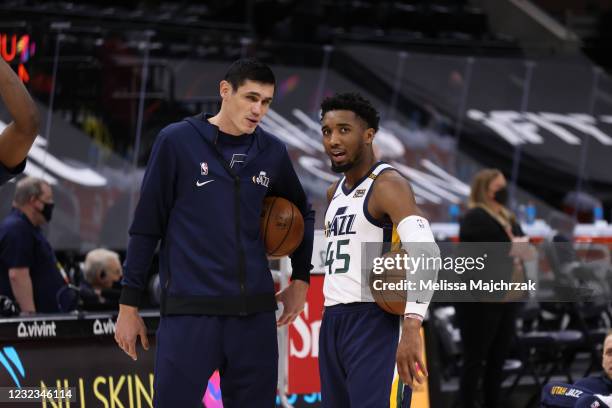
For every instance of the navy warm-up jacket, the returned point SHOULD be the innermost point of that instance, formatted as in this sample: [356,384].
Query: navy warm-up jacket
[212,259]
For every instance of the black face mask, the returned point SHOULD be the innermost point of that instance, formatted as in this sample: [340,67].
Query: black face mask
[47,211]
[501,196]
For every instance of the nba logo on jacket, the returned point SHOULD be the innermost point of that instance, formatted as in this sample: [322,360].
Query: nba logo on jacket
[204,168]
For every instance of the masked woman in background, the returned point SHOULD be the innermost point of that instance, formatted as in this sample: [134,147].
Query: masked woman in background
[487,329]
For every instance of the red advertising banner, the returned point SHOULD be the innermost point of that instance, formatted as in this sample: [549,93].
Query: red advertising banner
[304,342]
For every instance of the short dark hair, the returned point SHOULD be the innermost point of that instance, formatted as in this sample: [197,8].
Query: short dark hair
[355,103]
[249,69]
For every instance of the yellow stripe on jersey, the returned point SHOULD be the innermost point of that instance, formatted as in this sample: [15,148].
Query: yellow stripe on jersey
[396,242]
[395,393]
[420,392]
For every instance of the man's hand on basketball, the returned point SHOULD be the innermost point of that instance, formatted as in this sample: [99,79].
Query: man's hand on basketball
[129,326]
[293,298]
[409,351]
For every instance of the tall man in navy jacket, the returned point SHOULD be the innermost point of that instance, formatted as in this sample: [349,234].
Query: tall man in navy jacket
[202,196]
[16,138]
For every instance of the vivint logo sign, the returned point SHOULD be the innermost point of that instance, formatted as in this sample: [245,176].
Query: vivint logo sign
[103,328]
[309,335]
[36,329]
[520,128]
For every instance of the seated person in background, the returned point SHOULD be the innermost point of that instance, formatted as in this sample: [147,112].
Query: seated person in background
[100,288]
[590,392]
[29,272]
[601,384]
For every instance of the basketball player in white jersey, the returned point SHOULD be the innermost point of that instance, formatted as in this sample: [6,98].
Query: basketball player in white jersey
[359,343]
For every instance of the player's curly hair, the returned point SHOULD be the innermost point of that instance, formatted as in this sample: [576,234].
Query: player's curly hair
[353,102]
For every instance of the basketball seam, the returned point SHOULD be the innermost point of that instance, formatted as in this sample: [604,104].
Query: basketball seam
[389,309]
[268,220]
[287,234]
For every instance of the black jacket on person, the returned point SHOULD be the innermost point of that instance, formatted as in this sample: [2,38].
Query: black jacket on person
[487,329]
[477,225]
[206,216]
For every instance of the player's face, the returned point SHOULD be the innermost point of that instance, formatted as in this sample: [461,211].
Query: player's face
[607,356]
[247,105]
[345,136]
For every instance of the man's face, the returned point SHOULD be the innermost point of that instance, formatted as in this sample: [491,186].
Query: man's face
[112,273]
[345,136]
[247,105]
[46,197]
[607,356]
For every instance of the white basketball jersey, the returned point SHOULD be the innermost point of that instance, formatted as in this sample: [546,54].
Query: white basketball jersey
[347,226]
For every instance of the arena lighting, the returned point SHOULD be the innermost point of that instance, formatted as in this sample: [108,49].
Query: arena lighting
[17,47]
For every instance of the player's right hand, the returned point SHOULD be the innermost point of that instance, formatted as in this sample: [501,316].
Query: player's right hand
[129,326]
[410,364]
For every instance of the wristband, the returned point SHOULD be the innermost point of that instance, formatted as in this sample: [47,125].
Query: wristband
[413,316]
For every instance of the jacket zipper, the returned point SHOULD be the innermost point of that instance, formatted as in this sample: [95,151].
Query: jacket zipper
[241,267]
[240,250]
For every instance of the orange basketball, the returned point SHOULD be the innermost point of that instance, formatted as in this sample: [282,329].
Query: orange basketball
[391,300]
[282,226]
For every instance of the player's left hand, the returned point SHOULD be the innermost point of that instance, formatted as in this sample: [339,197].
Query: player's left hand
[293,298]
[409,351]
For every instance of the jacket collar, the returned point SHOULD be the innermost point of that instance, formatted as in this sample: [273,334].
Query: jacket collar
[210,132]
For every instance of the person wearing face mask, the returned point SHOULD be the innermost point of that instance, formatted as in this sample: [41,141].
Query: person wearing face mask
[487,329]
[101,286]
[29,272]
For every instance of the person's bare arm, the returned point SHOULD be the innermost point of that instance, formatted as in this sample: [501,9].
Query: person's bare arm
[21,284]
[17,138]
[392,196]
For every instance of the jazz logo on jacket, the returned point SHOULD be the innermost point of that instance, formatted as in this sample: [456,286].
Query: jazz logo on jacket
[262,179]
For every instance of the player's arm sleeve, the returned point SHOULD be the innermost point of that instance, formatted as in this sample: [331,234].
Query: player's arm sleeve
[418,240]
[288,186]
[6,174]
[150,219]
